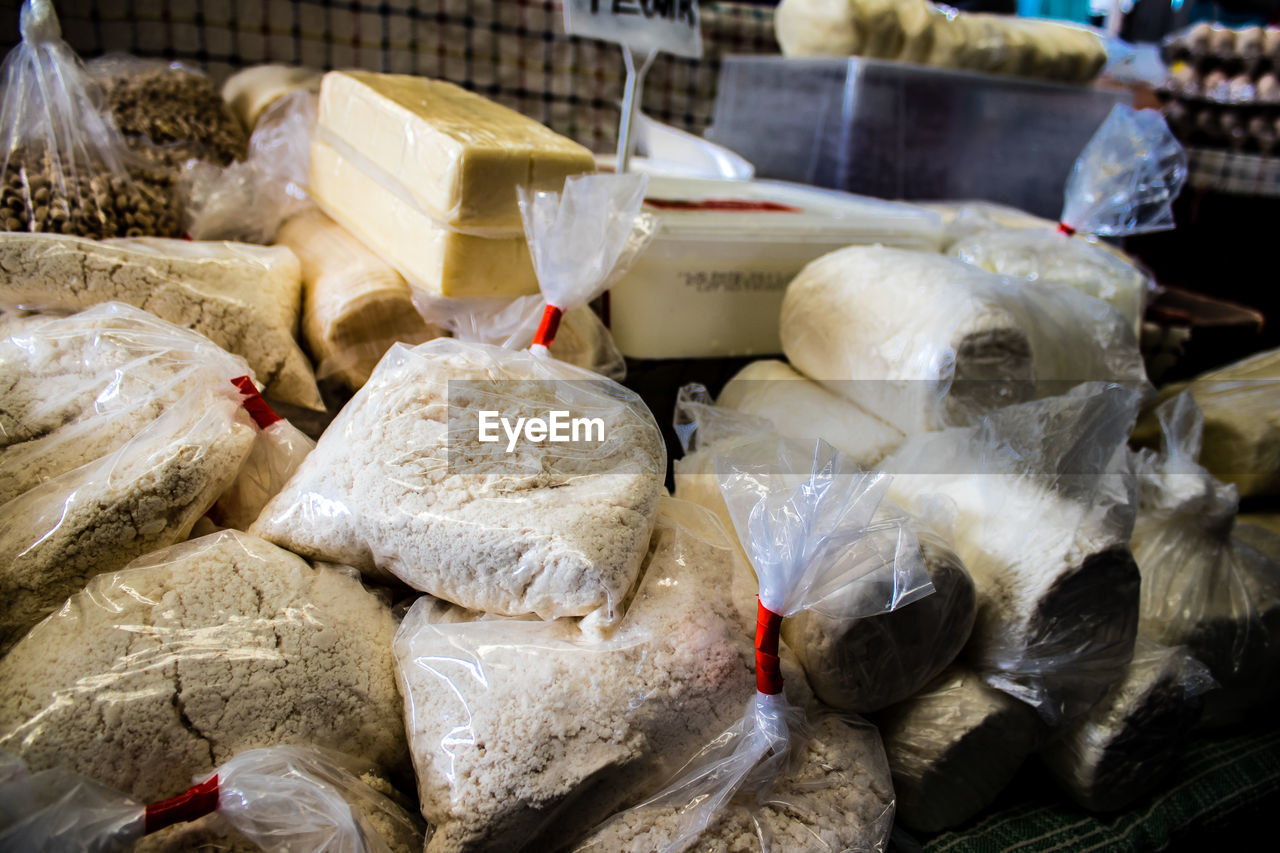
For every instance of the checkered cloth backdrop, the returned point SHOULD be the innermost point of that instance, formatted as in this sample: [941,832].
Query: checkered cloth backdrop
[1229,172]
[513,51]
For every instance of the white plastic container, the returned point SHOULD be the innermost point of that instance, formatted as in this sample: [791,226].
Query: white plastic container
[711,283]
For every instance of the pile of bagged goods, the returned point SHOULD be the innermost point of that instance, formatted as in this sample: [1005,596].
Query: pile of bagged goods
[897,566]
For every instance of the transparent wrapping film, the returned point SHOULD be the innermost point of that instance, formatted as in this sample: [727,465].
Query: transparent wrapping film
[577,236]
[277,453]
[853,662]
[169,112]
[923,341]
[581,340]
[119,432]
[288,798]
[277,799]
[953,747]
[496,707]
[800,408]
[1127,177]
[354,305]
[56,809]
[1048,256]
[806,518]
[1201,586]
[1241,442]
[249,200]
[1129,743]
[66,167]
[157,673]
[555,528]
[1040,499]
[244,298]
[251,91]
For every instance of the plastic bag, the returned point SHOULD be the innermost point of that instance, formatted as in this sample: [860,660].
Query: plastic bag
[804,514]
[250,200]
[525,733]
[953,748]
[800,408]
[276,456]
[1040,499]
[434,443]
[120,432]
[858,663]
[1124,182]
[599,212]
[1130,742]
[242,297]
[923,341]
[66,166]
[581,337]
[1201,586]
[354,306]
[279,798]
[173,110]
[837,796]
[1241,437]
[1126,178]
[191,654]
[251,91]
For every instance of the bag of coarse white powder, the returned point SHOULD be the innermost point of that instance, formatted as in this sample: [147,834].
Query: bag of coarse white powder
[1040,499]
[777,778]
[117,433]
[524,734]
[275,799]
[1203,587]
[192,654]
[1124,182]
[502,481]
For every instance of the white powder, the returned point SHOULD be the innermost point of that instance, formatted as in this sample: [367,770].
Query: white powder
[953,747]
[839,797]
[242,297]
[196,653]
[529,733]
[395,485]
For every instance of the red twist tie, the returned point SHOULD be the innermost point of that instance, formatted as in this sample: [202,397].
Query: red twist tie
[193,804]
[549,326]
[768,672]
[1064,228]
[254,404]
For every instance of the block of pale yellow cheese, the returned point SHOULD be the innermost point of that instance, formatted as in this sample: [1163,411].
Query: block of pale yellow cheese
[459,155]
[431,257]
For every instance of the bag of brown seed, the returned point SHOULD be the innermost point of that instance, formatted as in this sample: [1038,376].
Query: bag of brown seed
[66,168]
[169,112]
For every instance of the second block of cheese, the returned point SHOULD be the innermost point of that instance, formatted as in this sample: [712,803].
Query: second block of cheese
[430,256]
[461,156]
